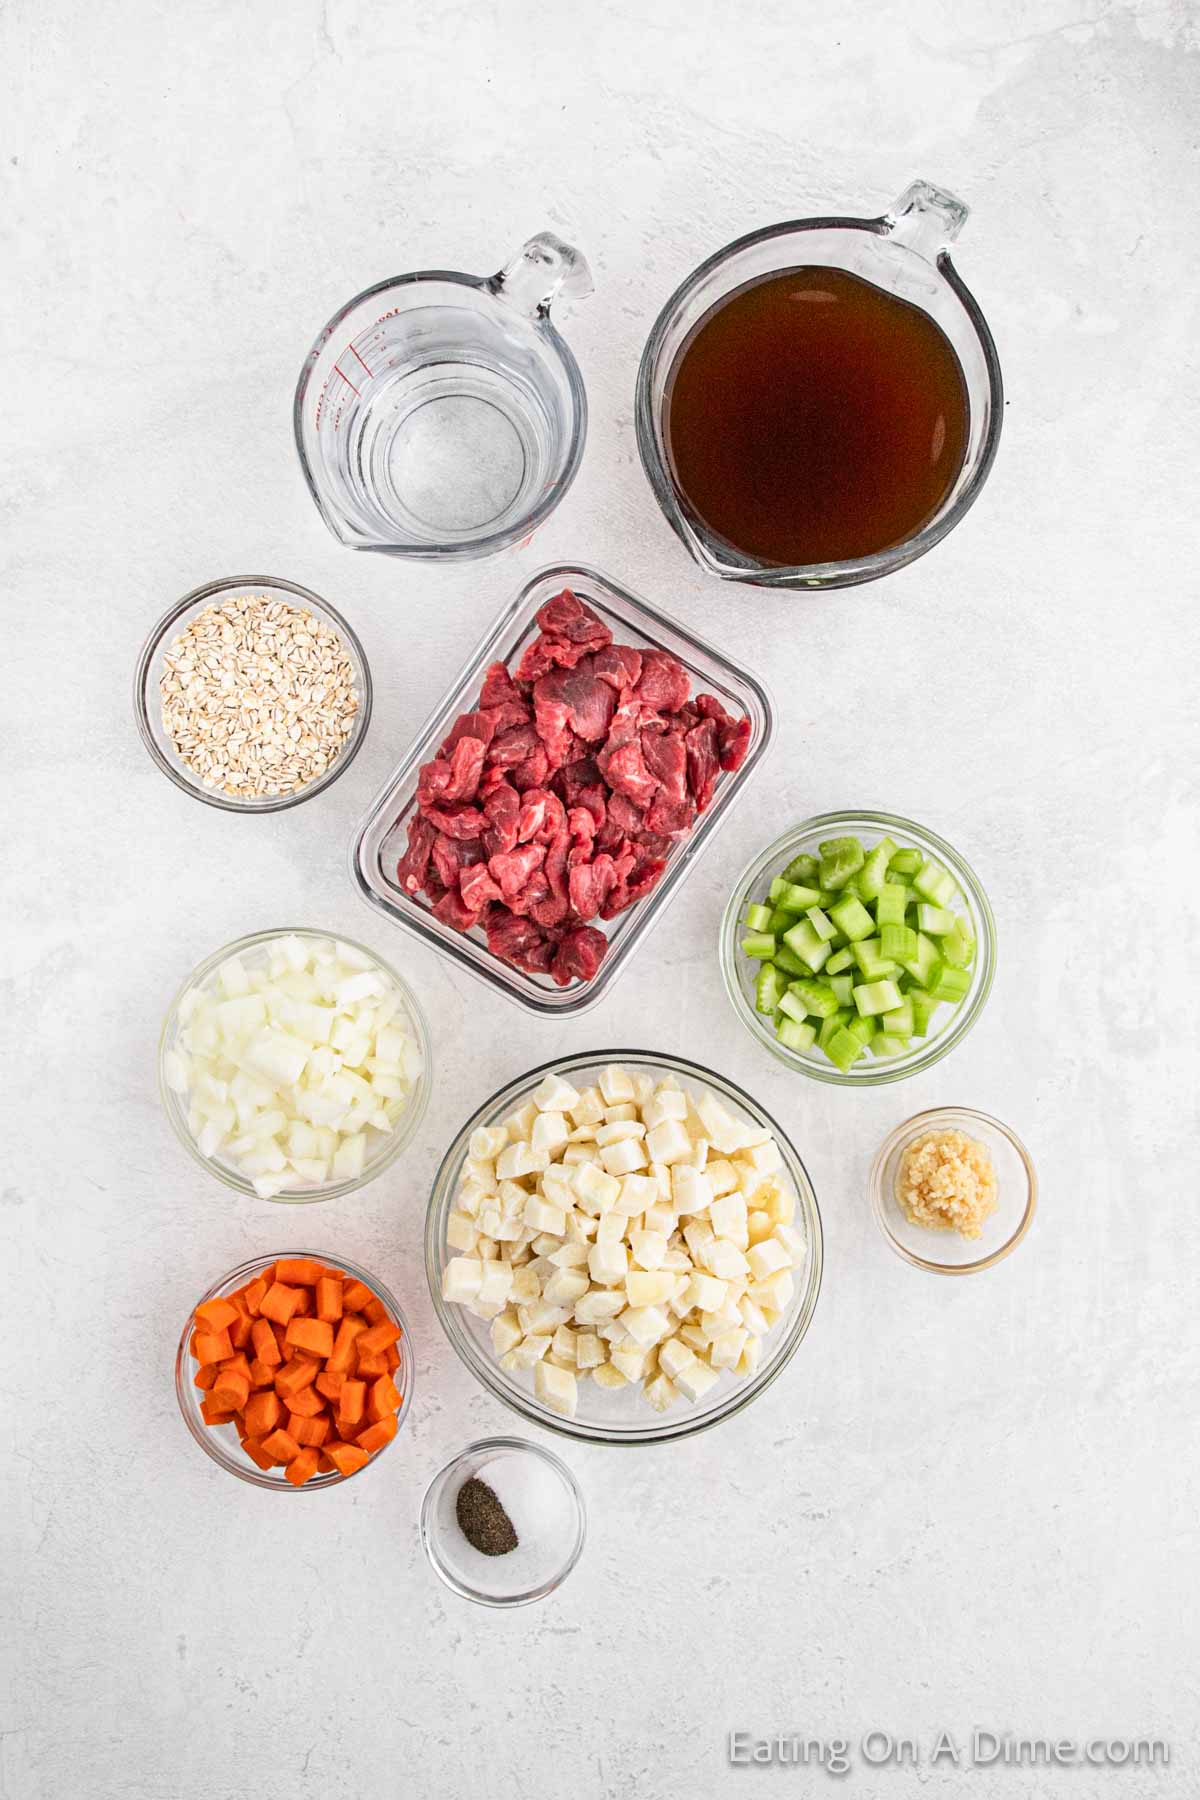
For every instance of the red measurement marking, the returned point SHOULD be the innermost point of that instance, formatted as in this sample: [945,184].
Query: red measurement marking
[346,379]
[365,365]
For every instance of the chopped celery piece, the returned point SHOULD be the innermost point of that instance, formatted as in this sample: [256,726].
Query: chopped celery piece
[802,869]
[889,908]
[839,962]
[843,988]
[900,1022]
[840,859]
[815,996]
[793,1006]
[852,917]
[897,941]
[905,862]
[795,1034]
[936,920]
[872,997]
[863,1029]
[768,988]
[789,962]
[918,966]
[837,1021]
[923,1008]
[777,890]
[951,984]
[759,944]
[884,1044]
[934,883]
[873,873]
[958,945]
[797,899]
[843,1049]
[821,925]
[758,918]
[781,921]
[810,948]
[870,958]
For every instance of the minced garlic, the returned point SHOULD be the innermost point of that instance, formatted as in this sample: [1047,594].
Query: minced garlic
[946,1182]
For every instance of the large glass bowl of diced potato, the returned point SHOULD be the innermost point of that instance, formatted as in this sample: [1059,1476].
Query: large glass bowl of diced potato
[624,1247]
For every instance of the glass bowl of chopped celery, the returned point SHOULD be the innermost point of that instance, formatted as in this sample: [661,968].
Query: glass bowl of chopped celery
[859,948]
[294,1065]
[655,1170]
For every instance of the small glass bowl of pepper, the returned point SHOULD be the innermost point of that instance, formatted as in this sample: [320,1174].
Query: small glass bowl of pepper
[503,1523]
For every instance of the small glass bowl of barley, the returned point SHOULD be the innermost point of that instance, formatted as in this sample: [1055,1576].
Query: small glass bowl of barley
[252,694]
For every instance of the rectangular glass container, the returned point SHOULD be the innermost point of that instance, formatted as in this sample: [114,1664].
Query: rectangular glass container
[382,837]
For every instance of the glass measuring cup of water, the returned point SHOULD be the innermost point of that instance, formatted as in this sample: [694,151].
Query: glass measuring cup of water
[441,414]
[905,252]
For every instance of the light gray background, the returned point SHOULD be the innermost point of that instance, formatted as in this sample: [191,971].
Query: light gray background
[969,1503]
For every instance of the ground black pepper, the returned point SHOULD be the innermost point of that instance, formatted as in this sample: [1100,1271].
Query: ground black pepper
[483,1521]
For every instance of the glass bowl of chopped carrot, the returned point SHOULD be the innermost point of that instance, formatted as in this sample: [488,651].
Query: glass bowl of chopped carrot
[295,1371]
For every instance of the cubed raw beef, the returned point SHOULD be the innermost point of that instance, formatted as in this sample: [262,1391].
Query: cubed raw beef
[666,759]
[543,816]
[579,955]
[618,664]
[480,725]
[645,876]
[733,735]
[513,868]
[534,772]
[665,684]
[412,867]
[499,688]
[457,821]
[452,855]
[627,817]
[590,885]
[510,747]
[453,910]
[574,698]
[567,617]
[671,818]
[477,887]
[452,778]
[546,653]
[519,941]
[702,763]
[502,809]
[625,770]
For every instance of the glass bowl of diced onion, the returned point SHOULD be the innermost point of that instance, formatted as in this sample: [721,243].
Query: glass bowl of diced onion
[961,893]
[636,1410]
[294,1065]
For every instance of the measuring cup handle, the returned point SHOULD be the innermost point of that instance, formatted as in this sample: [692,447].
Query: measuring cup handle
[541,270]
[925,219]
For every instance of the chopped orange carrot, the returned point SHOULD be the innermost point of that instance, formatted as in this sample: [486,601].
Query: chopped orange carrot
[308,1403]
[307,1431]
[280,1334]
[262,1375]
[262,1414]
[206,1376]
[324,1466]
[380,1336]
[314,1336]
[211,1346]
[231,1391]
[329,1299]
[383,1398]
[215,1415]
[342,1357]
[239,1331]
[236,1365]
[356,1296]
[263,1339]
[304,1304]
[215,1315]
[257,1454]
[281,1446]
[377,1435]
[254,1296]
[280,1302]
[351,1402]
[347,1459]
[329,1385]
[374,1310]
[301,1467]
[391,1357]
[297,1374]
[370,1363]
[301,1270]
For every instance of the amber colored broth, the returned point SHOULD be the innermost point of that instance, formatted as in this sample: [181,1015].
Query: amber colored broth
[812,417]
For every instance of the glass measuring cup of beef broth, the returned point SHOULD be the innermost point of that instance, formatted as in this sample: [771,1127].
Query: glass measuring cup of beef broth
[820,402]
[441,414]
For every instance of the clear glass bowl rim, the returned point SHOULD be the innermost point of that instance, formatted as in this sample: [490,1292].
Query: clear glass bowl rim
[241,584]
[873,1074]
[488,543]
[205,1436]
[856,569]
[400,1137]
[500,640]
[665,1429]
[480,1447]
[928,1121]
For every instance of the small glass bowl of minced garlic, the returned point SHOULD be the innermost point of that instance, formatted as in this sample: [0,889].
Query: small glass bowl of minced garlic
[503,1523]
[953,1190]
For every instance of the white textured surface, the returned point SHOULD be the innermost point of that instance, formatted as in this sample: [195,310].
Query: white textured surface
[965,1504]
